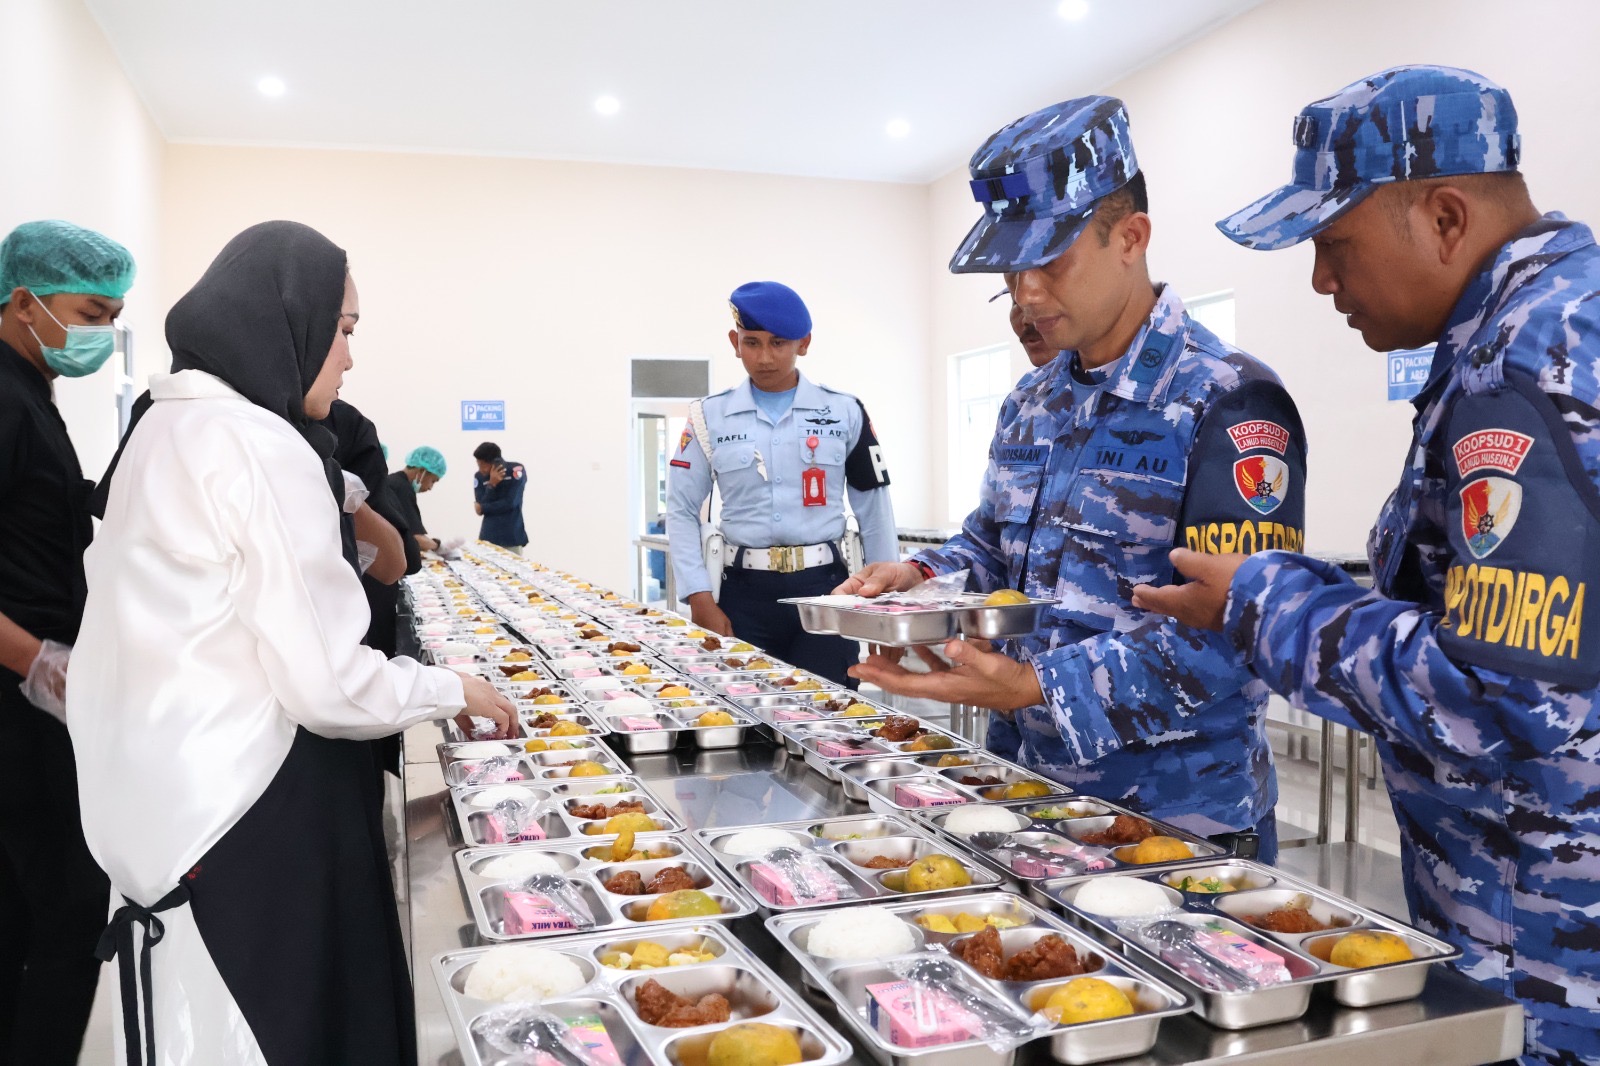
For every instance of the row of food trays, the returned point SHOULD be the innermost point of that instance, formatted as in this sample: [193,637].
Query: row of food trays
[971,909]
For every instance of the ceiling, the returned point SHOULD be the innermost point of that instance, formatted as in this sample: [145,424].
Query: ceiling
[803,87]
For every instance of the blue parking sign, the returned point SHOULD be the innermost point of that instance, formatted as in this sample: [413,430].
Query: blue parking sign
[483,414]
[1408,371]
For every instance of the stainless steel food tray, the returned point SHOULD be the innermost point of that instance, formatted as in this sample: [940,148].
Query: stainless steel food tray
[1061,836]
[673,726]
[492,898]
[535,766]
[754,991]
[481,823]
[1260,889]
[845,984]
[841,843]
[827,743]
[904,624]
[874,781]
[565,714]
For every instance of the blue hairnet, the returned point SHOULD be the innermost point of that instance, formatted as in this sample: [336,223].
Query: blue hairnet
[52,256]
[426,458]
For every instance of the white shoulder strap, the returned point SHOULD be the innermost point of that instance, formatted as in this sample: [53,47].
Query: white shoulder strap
[697,422]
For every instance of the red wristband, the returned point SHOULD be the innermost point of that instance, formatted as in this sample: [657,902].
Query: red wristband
[927,571]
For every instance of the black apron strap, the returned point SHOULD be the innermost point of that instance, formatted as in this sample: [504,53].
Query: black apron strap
[117,942]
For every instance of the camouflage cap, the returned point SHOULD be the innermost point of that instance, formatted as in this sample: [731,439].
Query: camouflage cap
[1401,124]
[1039,179]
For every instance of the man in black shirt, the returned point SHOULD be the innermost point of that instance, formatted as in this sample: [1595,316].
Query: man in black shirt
[61,290]
[424,467]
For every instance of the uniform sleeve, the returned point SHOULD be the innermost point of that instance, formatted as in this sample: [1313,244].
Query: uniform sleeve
[1245,491]
[977,546]
[506,497]
[688,485]
[305,606]
[1508,668]
[867,483]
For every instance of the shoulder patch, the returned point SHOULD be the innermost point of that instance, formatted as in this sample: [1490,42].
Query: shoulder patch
[1262,481]
[1259,434]
[1491,449]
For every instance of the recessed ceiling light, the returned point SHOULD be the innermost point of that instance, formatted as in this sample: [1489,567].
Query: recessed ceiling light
[270,86]
[608,105]
[1073,10]
[898,128]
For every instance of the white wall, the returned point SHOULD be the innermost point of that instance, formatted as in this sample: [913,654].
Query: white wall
[1211,124]
[80,146]
[535,281]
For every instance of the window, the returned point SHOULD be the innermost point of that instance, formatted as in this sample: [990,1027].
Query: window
[1215,311]
[979,383]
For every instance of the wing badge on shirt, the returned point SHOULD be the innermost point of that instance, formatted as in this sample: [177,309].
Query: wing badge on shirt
[1489,508]
[1262,481]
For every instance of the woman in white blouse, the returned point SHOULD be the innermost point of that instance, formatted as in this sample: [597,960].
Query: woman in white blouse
[220,690]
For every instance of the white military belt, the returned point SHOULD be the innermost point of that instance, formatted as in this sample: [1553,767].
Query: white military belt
[787,558]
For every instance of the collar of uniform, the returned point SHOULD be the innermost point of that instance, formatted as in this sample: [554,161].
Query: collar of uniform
[1518,261]
[1151,360]
[807,397]
[14,364]
[191,385]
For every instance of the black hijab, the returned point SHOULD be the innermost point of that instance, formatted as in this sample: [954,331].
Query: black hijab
[262,319]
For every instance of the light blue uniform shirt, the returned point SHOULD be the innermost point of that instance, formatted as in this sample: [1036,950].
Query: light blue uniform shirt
[758,463]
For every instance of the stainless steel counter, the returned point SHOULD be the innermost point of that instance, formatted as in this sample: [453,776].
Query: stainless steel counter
[1453,1023]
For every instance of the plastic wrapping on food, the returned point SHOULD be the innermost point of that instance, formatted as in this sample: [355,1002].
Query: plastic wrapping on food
[941,589]
[789,877]
[1210,955]
[535,1037]
[942,999]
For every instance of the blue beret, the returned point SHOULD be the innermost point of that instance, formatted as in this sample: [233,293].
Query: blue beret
[770,307]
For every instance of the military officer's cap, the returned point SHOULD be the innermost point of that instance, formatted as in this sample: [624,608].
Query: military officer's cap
[1039,179]
[1401,124]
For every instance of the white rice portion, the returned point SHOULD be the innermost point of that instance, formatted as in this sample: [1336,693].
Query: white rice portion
[978,818]
[521,865]
[486,799]
[760,841]
[1122,897]
[481,750]
[516,973]
[860,933]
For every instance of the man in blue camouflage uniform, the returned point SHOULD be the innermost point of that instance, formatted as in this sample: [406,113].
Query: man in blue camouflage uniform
[1471,661]
[1148,431]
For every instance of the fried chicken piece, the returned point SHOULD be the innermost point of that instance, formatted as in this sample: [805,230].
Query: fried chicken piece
[672,879]
[974,779]
[733,664]
[626,883]
[660,1006]
[1124,829]
[711,644]
[883,862]
[622,647]
[544,721]
[1287,920]
[982,952]
[1050,957]
[898,727]
[599,811]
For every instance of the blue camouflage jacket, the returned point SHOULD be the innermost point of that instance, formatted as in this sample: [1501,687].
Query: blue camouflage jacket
[1473,660]
[502,506]
[1191,442]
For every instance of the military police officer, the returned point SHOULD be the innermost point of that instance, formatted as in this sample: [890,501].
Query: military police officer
[497,490]
[786,454]
[1472,660]
[1148,431]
